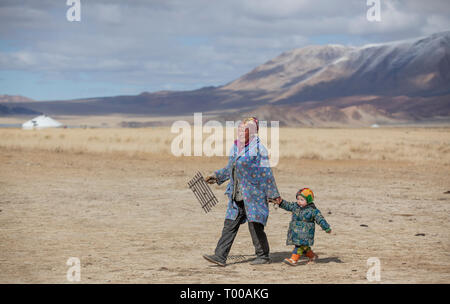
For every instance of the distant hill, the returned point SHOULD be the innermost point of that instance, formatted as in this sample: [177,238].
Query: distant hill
[402,81]
[356,111]
[11,105]
[7,110]
[14,98]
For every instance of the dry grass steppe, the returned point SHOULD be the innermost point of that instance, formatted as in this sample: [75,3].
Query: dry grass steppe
[117,199]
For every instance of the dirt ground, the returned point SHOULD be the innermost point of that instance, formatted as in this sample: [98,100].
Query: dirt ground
[133,220]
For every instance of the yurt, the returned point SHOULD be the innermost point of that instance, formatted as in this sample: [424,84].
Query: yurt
[41,122]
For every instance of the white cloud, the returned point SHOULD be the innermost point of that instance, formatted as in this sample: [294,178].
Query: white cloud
[108,13]
[274,8]
[435,23]
[180,43]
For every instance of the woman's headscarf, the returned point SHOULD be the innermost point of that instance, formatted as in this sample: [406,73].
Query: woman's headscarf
[252,120]
[253,126]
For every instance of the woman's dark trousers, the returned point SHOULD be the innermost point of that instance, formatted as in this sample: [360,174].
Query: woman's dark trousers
[230,230]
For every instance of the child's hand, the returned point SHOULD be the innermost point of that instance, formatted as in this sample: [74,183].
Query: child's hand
[276,201]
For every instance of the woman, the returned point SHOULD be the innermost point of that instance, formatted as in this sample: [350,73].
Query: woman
[251,185]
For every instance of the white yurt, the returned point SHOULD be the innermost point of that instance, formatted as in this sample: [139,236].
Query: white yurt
[41,122]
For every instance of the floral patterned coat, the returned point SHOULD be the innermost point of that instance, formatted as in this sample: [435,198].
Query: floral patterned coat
[256,178]
[302,227]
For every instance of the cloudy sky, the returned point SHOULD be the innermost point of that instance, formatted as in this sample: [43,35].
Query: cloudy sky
[127,47]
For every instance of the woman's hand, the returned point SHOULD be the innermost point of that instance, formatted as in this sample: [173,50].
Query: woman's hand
[211,179]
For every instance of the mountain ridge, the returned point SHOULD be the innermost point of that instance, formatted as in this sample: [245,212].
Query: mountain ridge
[397,81]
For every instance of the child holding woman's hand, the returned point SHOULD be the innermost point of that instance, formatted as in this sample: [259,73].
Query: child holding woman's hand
[302,226]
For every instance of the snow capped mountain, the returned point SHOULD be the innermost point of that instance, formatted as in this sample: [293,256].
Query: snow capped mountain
[419,67]
[400,81]
[290,68]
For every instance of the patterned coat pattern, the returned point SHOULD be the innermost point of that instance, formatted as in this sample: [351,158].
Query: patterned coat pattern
[256,178]
[302,226]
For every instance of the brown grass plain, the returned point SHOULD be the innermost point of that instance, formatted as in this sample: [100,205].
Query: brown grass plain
[117,199]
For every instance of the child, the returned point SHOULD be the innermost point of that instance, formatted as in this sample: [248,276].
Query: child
[302,226]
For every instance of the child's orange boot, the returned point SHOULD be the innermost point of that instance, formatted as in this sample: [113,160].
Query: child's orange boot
[312,256]
[293,260]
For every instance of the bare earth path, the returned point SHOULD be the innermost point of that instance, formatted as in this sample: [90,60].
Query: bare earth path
[133,220]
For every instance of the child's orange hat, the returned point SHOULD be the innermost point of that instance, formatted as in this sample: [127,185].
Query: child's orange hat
[307,194]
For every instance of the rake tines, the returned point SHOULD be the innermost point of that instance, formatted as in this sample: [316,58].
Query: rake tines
[203,193]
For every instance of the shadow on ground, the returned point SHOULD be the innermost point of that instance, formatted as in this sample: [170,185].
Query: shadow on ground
[278,257]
